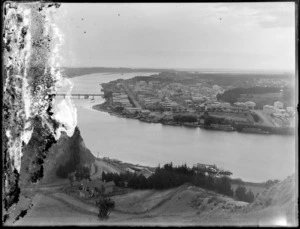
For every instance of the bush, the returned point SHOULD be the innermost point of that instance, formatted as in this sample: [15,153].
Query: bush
[223,186]
[240,194]
[105,205]
[249,196]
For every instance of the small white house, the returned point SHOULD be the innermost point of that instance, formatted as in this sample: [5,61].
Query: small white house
[269,109]
[250,104]
[278,105]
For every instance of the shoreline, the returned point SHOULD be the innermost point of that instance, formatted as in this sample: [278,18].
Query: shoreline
[266,130]
[123,166]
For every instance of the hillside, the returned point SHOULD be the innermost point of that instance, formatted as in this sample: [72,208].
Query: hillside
[183,206]
[278,200]
[66,149]
[42,162]
[72,72]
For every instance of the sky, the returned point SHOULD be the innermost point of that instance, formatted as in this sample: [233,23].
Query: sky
[246,36]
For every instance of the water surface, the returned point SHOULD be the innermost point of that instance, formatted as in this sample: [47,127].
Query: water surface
[252,157]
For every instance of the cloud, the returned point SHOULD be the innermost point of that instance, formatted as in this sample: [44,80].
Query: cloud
[265,15]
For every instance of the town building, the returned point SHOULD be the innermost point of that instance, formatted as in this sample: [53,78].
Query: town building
[278,105]
[132,110]
[250,104]
[290,109]
[95,186]
[145,172]
[269,109]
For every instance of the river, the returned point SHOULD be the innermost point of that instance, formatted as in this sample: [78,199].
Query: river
[251,157]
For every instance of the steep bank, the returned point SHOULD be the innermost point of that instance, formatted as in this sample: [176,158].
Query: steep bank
[41,163]
[279,200]
[66,149]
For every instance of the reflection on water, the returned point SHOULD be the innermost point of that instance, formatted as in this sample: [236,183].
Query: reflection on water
[248,156]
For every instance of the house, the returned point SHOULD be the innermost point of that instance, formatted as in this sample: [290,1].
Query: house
[132,110]
[241,105]
[278,105]
[225,105]
[145,112]
[145,172]
[109,187]
[269,109]
[290,109]
[250,104]
[83,194]
[95,186]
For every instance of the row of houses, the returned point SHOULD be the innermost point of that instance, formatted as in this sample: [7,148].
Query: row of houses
[120,99]
[245,105]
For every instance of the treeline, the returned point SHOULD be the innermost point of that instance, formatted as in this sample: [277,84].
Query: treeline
[232,95]
[243,195]
[170,176]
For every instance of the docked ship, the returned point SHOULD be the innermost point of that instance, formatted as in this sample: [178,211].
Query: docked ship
[255,130]
[220,127]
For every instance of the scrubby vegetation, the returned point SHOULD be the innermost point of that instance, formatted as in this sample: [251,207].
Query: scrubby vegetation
[105,205]
[170,176]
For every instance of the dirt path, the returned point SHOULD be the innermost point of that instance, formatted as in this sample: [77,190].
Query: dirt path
[75,203]
[264,119]
[104,167]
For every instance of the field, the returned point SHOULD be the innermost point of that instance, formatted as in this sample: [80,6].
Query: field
[234,116]
[265,119]
[261,99]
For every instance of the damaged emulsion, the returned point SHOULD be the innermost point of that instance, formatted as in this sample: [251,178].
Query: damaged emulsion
[40,84]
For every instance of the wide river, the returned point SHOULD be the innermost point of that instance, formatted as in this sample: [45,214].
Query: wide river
[251,157]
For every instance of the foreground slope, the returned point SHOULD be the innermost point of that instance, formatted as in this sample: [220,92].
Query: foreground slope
[185,205]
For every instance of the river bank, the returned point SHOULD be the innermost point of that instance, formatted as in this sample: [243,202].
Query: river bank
[167,120]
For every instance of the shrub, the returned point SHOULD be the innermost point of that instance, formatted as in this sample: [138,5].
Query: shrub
[105,205]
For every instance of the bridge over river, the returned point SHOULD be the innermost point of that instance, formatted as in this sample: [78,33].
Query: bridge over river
[84,95]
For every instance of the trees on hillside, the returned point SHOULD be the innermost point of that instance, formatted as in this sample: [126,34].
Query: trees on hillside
[82,172]
[170,176]
[270,183]
[242,195]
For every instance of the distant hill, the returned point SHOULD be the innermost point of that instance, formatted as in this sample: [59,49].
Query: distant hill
[72,72]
